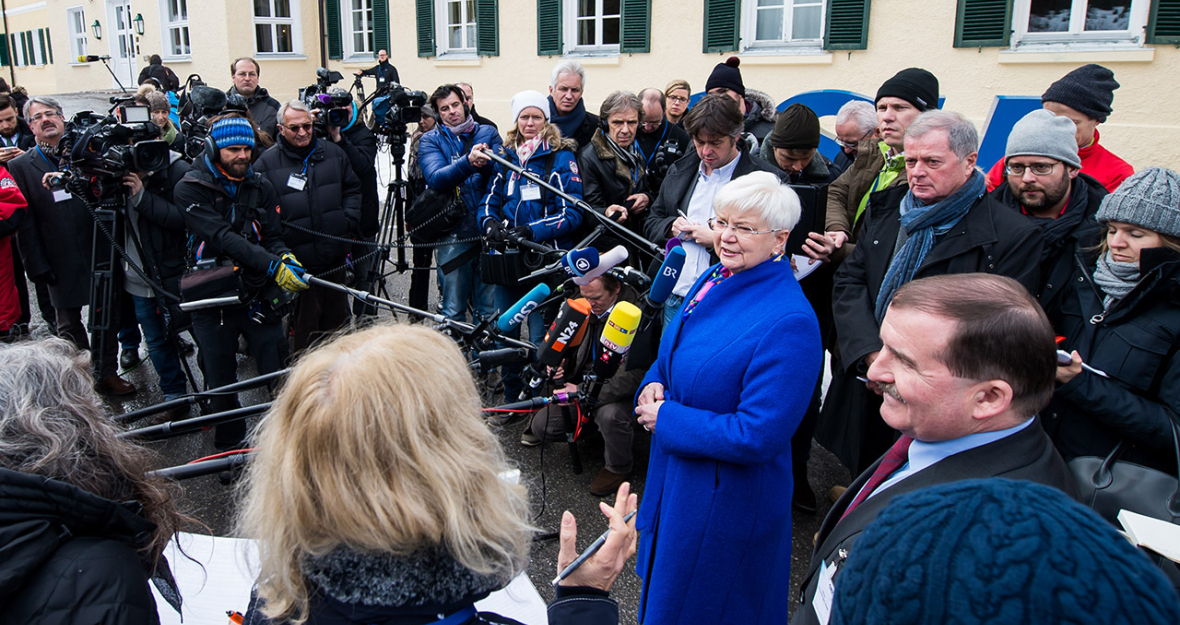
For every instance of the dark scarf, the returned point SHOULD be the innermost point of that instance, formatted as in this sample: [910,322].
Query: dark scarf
[302,152]
[922,223]
[1055,231]
[628,156]
[567,124]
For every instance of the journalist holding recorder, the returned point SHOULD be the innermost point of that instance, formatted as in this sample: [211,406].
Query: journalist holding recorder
[734,375]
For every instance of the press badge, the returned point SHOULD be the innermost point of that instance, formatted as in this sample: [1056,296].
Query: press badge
[297,182]
[530,192]
[61,195]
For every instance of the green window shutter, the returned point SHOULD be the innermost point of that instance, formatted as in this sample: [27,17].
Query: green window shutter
[848,25]
[722,19]
[549,27]
[983,23]
[425,11]
[5,59]
[41,42]
[380,25]
[1164,24]
[335,44]
[49,45]
[25,49]
[636,26]
[487,28]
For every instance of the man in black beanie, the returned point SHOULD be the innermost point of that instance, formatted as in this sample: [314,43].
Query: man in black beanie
[793,146]
[1084,96]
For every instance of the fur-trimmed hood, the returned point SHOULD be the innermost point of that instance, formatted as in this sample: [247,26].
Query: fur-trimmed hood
[766,108]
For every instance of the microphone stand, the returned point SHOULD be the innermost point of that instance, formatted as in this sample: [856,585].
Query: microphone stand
[208,467]
[184,426]
[193,398]
[643,244]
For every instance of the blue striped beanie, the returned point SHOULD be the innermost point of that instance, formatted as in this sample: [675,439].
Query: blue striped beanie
[231,132]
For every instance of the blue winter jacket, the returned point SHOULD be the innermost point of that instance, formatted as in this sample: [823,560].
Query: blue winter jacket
[554,221]
[715,521]
[442,155]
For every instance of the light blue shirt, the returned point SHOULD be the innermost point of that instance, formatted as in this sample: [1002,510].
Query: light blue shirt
[924,455]
[700,210]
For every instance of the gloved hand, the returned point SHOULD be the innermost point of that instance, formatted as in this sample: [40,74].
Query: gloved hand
[288,273]
[494,231]
[522,232]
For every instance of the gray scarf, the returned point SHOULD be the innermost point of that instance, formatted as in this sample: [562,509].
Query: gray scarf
[1115,279]
[467,126]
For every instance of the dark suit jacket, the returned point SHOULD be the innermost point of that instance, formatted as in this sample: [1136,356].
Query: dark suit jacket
[1025,455]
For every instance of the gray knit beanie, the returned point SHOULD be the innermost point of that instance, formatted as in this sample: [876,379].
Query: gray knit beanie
[1149,199]
[1041,133]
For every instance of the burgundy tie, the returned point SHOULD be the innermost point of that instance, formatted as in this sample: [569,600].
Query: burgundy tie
[894,459]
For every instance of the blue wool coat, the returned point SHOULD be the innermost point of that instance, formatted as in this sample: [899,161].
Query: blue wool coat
[715,521]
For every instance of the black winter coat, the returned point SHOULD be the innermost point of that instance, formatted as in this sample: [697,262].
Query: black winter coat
[329,203]
[216,219]
[263,108]
[57,237]
[360,145]
[1137,343]
[68,556]
[166,77]
[1086,196]
[606,180]
[25,139]
[161,225]
[658,147]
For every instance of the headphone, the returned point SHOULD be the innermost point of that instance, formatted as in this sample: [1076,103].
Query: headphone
[211,151]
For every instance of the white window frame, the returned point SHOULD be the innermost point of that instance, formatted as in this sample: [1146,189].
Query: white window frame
[168,23]
[348,34]
[273,22]
[569,12]
[78,43]
[443,26]
[749,29]
[1076,36]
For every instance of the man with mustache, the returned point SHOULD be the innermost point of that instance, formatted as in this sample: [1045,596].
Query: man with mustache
[966,363]
[1043,182]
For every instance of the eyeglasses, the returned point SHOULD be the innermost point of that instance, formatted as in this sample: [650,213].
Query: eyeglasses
[1038,169]
[44,115]
[678,99]
[298,128]
[655,124]
[852,144]
[246,75]
[741,232]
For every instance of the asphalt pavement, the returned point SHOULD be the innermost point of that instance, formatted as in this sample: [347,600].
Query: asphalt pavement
[546,470]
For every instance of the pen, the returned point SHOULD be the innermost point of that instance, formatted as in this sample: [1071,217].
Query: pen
[591,550]
[1064,358]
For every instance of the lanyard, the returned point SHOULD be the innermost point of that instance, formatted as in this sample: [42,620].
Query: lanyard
[312,151]
[47,161]
[655,149]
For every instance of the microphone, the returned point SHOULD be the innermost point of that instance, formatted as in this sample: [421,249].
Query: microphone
[566,332]
[606,262]
[490,358]
[90,58]
[632,277]
[577,263]
[514,316]
[616,340]
[673,243]
[669,274]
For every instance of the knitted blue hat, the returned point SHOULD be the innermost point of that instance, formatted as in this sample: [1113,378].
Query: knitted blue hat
[997,551]
[231,132]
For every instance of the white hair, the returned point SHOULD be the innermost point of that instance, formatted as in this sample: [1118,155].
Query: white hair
[961,136]
[296,104]
[862,112]
[761,193]
[568,66]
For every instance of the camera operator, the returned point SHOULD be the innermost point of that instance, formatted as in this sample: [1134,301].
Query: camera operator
[449,160]
[57,240]
[383,71]
[319,195]
[232,215]
[360,146]
[155,242]
[660,143]
[264,109]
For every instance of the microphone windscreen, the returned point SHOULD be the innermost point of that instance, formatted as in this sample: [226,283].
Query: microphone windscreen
[672,244]
[207,100]
[669,274]
[621,326]
[606,262]
[515,315]
[564,332]
[578,263]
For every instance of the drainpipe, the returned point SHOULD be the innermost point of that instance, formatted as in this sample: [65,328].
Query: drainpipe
[323,34]
[11,69]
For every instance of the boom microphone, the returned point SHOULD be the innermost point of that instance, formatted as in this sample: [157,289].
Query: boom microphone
[577,263]
[606,262]
[669,274]
[90,58]
[514,316]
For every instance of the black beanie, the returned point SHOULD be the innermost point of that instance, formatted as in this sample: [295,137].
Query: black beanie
[914,85]
[727,75]
[796,128]
[1088,90]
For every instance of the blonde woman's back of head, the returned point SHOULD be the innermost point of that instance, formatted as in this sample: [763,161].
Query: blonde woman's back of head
[375,444]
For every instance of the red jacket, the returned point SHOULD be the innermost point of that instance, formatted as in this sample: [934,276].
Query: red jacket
[12,213]
[1097,162]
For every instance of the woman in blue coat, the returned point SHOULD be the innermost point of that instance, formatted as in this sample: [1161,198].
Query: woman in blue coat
[734,376]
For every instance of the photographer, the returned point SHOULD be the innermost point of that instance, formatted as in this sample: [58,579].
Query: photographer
[660,142]
[57,240]
[319,195]
[449,160]
[232,215]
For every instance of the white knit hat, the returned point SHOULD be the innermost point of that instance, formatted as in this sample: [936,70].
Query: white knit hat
[525,99]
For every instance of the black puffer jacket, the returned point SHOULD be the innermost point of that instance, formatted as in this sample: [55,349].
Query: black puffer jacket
[1137,343]
[361,147]
[160,226]
[263,108]
[68,556]
[329,203]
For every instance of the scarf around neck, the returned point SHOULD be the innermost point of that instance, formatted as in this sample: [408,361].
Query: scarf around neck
[1056,230]
[1116,279]
[567,124]
[467,126]
[526,150]
[629,157]
[922,223]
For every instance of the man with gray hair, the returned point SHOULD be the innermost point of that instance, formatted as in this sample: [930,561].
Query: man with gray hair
[943,222]
[856,122]
[566,109]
